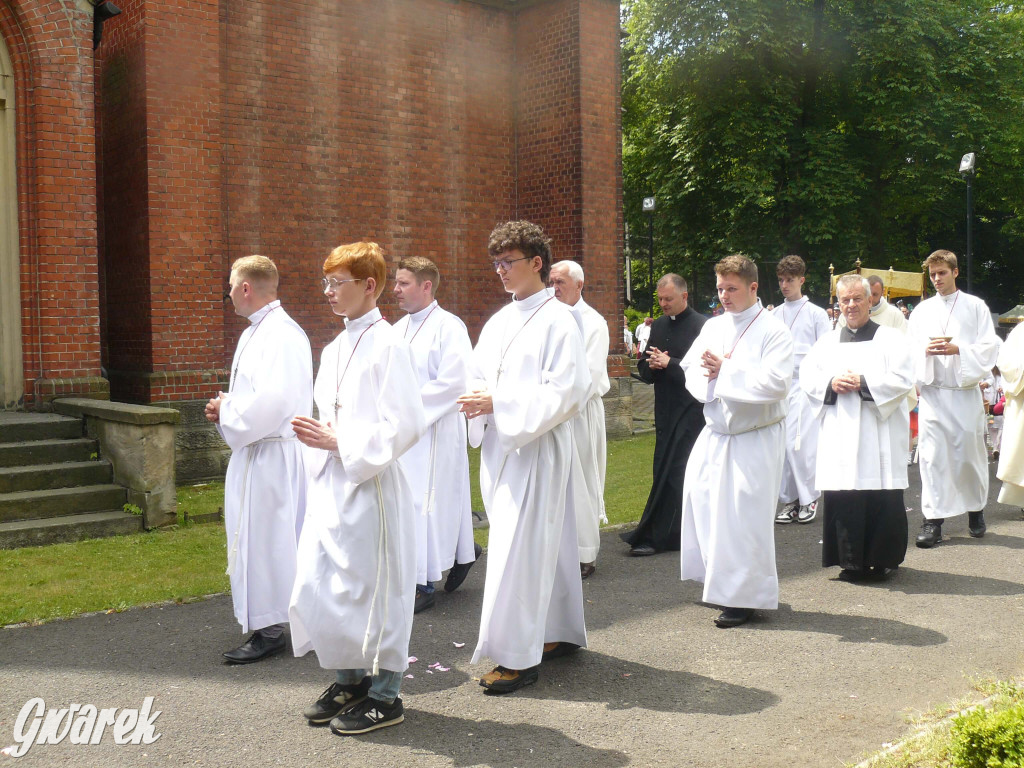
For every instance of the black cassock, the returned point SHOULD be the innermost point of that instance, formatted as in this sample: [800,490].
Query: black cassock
[863,529]
[678,419]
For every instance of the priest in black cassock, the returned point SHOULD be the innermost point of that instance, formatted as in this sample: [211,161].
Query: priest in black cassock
[678,418]
[858,378]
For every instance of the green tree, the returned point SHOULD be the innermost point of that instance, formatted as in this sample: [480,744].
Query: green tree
[827,128]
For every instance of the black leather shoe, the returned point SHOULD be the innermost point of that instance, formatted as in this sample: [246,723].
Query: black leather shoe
[733,617]
[852,575]
[587,570]
[424,600]
[880,573]
[257,647]
[459,571]
[976,524]
[642,550]
[931,534]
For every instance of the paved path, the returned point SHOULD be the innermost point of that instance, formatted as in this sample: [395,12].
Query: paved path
[828,677]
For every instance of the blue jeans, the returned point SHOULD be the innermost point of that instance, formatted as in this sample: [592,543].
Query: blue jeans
[384,686]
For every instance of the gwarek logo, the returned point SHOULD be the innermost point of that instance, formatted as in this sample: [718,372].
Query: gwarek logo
[81,724]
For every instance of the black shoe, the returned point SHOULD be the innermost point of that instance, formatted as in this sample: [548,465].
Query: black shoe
[459,571]
[852,575]
[557,650]
[642,550]
[733,617]
[976,524]
[424,600]
[505,680]
[587,570]
[880,573]
[257,647]
[368,715]
[336,699]
[931,533]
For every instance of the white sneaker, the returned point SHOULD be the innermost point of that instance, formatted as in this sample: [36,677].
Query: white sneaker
[807,512]
[787,513]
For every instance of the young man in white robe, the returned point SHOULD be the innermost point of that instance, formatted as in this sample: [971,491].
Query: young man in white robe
[955,347]
[353,597]
[859,391]
[532,379]
[740,367]
[265,487]
[588,426]
[437,467]
[808,323]
[1011,451]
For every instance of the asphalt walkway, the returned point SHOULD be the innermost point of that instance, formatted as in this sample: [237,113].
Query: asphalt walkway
[829,677]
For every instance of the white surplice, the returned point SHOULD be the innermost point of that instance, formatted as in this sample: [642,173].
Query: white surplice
[951,413]
[265,486]
[735,467]
[437,467]
[588,429]
[808,323]
[1011,452]
[530,357]
[356,581]
[864,442]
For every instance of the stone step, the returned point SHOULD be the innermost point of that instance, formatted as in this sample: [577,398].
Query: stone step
[35,505]
[15,454]
[90,525]
[16,427]
[39,477]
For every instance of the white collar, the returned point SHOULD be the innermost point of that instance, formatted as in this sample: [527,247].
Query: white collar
[263,311]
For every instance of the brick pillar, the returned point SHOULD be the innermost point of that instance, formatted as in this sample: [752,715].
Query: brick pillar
[165,274]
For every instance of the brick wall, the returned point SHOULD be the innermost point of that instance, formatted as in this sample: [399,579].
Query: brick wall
[50,43]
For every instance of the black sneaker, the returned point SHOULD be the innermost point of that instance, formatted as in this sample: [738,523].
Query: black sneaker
[931,533]
[369,715]
[336,699]
[976,524]
[459,571]
[424,600]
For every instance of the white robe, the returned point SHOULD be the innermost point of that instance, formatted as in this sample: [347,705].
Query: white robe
[356,582]
[538,379]
[588,429]
[437,467]
[808,323]
[864,442]
[888,316]
[1011,453]
[265,486]
[951,414]
[735,468]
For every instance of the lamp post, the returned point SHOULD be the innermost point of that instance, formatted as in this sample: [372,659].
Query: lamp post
[967,171]
[648,207]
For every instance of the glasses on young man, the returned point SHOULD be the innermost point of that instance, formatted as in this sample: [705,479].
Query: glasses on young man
[333,283]
[502,265]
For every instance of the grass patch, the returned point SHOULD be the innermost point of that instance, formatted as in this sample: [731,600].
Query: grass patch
[956,736]
[187,561]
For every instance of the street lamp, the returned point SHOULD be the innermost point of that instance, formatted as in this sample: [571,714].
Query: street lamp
[648,208]
[967,171]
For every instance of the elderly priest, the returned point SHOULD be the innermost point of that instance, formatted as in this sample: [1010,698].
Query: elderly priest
[857,378]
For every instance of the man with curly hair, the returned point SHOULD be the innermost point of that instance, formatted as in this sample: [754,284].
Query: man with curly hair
[532,378]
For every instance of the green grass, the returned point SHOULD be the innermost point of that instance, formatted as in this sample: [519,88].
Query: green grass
[40,584]
[930,742]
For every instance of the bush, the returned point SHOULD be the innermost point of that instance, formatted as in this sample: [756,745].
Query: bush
[987,739]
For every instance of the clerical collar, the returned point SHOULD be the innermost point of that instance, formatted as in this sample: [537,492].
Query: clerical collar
[531,303]
[949,297]
[865,333]
[879,307]
[364,321]
[422,314]
[262,312]
[794,302]
[747,314]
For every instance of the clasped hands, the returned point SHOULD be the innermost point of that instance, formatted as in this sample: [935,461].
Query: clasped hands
[940,346]
[476,403]
[712,363]
[845,383]
[657,359]
[315,434]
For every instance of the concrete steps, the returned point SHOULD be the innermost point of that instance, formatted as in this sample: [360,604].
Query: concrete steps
[53,484]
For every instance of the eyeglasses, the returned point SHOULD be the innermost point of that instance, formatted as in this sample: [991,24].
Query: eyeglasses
[504,264]
[333,283]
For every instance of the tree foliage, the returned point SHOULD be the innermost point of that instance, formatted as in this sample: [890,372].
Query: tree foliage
[828,128]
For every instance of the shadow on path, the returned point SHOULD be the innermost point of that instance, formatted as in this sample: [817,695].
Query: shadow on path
[597,678]
[487,742]
[851,628]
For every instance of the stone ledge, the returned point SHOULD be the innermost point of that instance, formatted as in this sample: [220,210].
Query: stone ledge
[124,413]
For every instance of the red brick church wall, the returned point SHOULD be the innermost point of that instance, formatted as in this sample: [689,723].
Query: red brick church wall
[50,43]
